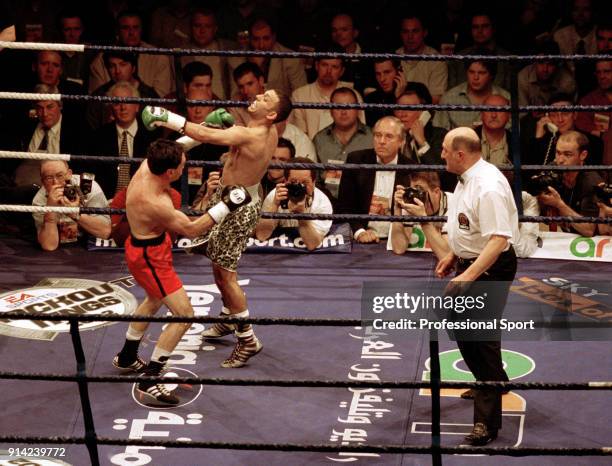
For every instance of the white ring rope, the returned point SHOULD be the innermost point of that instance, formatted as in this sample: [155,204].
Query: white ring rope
[29,96]
[9,154]
[39,209]
[43,46]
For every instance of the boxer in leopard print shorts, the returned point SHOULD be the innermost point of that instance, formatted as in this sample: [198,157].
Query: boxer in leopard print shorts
[251,149]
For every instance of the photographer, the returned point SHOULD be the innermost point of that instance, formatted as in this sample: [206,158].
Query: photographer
[424,197]
[62,188]
[574,195]
[604,196]
[297,195]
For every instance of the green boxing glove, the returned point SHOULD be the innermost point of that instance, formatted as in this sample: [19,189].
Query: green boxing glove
[219,118]
[152,117]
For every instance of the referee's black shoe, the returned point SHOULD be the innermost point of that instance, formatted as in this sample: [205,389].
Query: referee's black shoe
[481,435]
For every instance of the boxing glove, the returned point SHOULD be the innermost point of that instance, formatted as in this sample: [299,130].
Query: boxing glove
[152,117]
[232,197]
[219,118]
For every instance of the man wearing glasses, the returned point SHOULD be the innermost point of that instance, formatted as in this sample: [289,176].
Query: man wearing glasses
[63,189]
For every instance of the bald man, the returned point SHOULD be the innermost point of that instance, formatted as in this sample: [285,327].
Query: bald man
[482,225]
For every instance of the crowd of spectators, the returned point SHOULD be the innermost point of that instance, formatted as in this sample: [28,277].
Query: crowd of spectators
[538,27]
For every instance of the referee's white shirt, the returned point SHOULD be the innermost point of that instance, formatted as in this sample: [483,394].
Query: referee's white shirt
[482,205]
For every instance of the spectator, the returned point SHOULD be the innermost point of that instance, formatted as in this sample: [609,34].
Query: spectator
[391,83]
[546,135]
[283,74]
[196,76]
[154,70]
[302,143]
[369,191]
[51,132]
[170,24]
[576,195]
[345,135]
[344,35]
[196,176]
[482,30]
[122,137]
[585,70]
[314,201]
[436,203]
[54,229]
[75,64]
[598,123]
[311,121]
[423,139]
[7,22]
[474,91]
[48,69]
[121,66]
[283,153]
[495,139]
[249,80]
[578,37]
[434,74]
[250,83]
[204,36]
[605,211]
[539,81]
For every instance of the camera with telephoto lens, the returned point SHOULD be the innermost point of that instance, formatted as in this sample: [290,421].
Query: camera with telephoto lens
[540,182]
[604,193]
[86,183]
[410,194]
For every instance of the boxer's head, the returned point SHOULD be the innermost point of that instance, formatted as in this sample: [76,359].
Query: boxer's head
[166,159]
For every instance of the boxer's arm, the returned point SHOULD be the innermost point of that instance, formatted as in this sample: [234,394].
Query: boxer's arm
[234,136]
[176,221]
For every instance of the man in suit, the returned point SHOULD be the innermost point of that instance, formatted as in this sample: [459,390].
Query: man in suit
[369,191]
[124,137]
[50,132]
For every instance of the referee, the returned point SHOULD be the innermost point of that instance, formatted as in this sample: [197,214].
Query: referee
[482,225]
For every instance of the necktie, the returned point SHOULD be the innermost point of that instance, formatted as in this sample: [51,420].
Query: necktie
[44,142]
[124,168]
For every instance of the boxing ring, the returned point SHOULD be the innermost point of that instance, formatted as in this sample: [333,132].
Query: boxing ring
[325,389]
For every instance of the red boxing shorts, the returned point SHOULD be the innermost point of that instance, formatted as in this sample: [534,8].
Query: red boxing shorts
[150,262]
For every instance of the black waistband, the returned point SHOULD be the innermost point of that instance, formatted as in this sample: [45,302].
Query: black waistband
[142,243]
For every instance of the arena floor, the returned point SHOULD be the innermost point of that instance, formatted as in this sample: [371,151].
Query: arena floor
[300,285]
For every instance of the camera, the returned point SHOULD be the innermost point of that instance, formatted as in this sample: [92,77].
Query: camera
[296,192]
[540,182]
[86,183]
[71,192]
[604,193]
[410,194]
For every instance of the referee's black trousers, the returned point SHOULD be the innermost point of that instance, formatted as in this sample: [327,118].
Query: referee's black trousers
[483,358]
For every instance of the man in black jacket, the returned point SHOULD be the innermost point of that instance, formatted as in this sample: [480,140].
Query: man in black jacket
[123,137]
[370,191]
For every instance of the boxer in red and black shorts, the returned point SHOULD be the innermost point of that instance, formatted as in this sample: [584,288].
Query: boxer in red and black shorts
[150,262]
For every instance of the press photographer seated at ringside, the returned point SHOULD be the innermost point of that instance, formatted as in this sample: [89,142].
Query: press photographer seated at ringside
[297,195]
[603,192]
[569,193]
[422,198]
[63,189]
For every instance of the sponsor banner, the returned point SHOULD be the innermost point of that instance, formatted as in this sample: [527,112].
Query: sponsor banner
[568,246]
[338,240]
[63,295]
